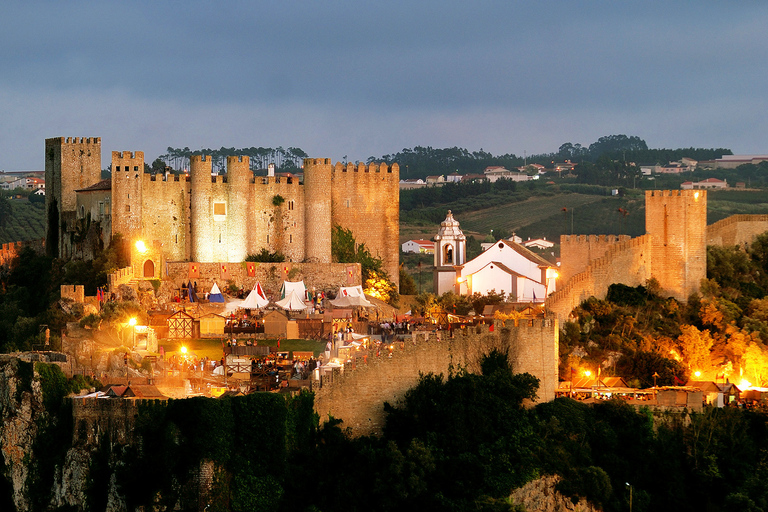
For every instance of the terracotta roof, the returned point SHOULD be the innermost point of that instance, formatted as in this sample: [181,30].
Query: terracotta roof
[101,185]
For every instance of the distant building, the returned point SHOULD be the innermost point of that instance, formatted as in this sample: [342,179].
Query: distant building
[434,180]
[495,173]
[733,161]
[411,184]
[539,243]
[454,178]
[419,246]
[707,183]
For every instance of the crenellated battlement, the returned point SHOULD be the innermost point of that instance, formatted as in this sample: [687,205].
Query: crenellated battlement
[200,158]
[577,239]
[77,140]
[361,168]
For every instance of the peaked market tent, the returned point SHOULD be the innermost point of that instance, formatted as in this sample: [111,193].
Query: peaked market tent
[190,291]
[298,287]
[292,302]
[350,291]
[351,301]
[215,295]
[256,299]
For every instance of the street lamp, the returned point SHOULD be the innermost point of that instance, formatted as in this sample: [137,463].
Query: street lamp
[132,323]
[630,496]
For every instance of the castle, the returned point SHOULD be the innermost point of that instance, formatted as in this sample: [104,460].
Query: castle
[209,218]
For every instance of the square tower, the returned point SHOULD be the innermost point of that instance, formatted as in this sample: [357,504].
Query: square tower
[676,220]
[71,163]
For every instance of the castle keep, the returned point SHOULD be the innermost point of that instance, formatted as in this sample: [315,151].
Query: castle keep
[209,218]
[673,251]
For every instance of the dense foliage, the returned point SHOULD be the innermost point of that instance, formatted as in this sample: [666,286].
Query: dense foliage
[376,281]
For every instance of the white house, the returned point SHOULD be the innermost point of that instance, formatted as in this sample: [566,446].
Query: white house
[707,183]
[419,246]
[506,267]
[509,268]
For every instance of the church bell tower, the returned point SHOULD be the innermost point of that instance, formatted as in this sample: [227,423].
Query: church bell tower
[450,252]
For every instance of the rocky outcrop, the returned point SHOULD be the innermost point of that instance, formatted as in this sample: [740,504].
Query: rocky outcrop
[541,496]
[21,404]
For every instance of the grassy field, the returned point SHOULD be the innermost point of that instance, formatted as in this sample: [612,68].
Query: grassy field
[212,349]
[27,222]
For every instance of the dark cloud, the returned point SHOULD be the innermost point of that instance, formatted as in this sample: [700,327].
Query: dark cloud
[382,77]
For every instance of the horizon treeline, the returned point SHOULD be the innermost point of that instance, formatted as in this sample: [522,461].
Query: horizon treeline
[420,161]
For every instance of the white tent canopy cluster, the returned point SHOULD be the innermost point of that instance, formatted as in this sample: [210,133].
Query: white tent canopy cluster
[350,296]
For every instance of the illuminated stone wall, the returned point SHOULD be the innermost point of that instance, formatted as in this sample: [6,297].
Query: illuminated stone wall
[576,251]
[736,230]
[357,396]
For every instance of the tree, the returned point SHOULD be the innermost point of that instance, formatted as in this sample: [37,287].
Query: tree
[696,346]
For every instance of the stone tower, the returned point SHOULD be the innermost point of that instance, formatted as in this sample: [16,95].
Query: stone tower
[676,220]
[317,209]
[127,181]
[201,205]
[450,252]
[71,163]
[239,177]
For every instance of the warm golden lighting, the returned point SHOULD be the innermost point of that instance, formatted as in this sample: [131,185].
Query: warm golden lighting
[141,247]
[183,349]
[460,280]
[132,321]
[587,373]
[697,374]
[744,384]
[696,195]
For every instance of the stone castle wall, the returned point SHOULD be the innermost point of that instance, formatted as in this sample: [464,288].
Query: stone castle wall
[627,262]
[576,251]
[9,251]
[366,200]
[73,292]
[357,396]
[736,230]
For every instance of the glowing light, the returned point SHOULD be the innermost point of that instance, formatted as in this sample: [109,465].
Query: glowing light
[556,274]
[697,373]
[587,373]
[696,195]
[141,247]
[183,349]
[744,384]
[460,280]
[132,321]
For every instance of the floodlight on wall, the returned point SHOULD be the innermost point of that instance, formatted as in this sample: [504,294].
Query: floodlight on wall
[141,246]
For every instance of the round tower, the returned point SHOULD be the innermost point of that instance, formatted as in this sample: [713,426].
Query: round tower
[317,209]
[200,168]
[238,190]
[450,252]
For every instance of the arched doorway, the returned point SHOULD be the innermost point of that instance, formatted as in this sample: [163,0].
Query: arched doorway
[149,269]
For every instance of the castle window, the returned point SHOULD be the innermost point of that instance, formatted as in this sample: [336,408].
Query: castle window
[290,205]
[127,208]
[101,208]
[348,203]
[290,239]
[117,168]
[82,211]
[219,211]
[135,168]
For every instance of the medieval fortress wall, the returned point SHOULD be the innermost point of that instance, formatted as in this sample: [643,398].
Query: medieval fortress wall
[357,396]
[223,218]
[736,230]
[673,251]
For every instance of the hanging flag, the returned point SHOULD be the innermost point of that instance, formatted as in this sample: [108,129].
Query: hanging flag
[678,381]
[260,292]
[573,370]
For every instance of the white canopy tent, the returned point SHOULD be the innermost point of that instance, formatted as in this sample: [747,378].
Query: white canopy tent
[297,287]
[350,301]
[256,299]
[292,302]
[351,291]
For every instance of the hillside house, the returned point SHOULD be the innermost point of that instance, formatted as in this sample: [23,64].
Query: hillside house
[419,246]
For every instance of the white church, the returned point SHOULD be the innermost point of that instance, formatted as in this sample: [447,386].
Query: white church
[505,267]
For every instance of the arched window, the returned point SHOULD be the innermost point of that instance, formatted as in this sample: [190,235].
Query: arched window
[448,255]
[149,269]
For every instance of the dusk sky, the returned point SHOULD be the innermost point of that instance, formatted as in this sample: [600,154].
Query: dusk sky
[362,79]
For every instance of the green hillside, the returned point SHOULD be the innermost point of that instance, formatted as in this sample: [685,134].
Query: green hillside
[26,222]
